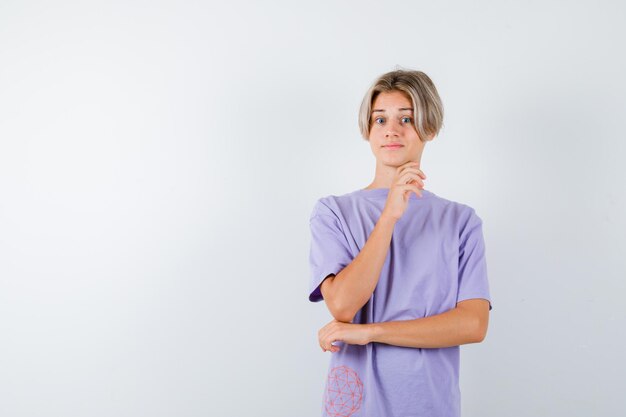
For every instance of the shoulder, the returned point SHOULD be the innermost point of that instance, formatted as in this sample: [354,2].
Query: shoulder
[462,215]
[323,207]
[467,219]
[331,205]
[460,209]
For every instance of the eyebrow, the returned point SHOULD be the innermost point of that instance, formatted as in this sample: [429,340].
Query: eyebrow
[403,108]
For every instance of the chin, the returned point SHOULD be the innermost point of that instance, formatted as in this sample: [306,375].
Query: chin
[393,162]
[395,159]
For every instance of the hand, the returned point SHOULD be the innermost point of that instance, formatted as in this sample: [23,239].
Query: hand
[350,333]
[408,179]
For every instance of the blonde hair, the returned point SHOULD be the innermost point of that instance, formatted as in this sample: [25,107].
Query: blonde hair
[419,88]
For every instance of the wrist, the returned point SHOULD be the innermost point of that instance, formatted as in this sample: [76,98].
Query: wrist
[373,331]
[387,218]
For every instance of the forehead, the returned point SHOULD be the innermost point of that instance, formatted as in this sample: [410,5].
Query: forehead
[391,100]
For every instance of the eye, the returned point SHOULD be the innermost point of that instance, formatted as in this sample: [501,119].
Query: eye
[379,118]
[406,119]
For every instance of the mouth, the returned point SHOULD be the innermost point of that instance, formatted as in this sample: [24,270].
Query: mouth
[393,146]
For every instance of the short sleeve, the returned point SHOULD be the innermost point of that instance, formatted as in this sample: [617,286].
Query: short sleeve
[329,251]
[473,282]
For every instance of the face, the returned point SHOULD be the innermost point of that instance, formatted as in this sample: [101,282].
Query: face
[393,138]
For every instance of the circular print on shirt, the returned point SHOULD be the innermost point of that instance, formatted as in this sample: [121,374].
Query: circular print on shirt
[344,392]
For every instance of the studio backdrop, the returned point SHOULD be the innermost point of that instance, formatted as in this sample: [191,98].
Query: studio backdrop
[159,162]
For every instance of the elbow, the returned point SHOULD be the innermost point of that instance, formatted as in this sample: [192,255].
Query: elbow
[480,337]
[344,316]
[337,308]
[480,332]
[340,313]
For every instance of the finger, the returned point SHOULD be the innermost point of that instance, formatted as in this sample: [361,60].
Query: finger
[321,338]
[323,341]
[327,345]
[409,178]
[415,189]
[331,337]
[414,170]
[404,167]
[334,348]
[325,331]
[408,188]
[416,166]
[410,164]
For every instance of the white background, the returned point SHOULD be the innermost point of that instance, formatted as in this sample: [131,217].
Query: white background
[159,162]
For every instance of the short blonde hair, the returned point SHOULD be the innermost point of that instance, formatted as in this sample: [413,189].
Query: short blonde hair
[419,88]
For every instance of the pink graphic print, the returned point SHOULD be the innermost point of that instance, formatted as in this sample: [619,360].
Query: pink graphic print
[344,392]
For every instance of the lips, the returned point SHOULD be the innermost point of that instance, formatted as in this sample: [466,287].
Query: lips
[393,146]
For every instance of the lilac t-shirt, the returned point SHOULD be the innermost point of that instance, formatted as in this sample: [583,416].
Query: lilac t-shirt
[436,259]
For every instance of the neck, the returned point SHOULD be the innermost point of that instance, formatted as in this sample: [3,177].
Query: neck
[384,175]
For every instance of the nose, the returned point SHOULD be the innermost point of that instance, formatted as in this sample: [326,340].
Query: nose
[392,130]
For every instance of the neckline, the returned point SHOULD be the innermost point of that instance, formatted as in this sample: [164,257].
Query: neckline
[383,192]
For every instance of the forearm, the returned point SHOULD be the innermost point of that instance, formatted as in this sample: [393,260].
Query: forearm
[353,286]
[453,328]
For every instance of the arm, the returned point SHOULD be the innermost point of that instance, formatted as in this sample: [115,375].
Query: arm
[349,290]
[466,323]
